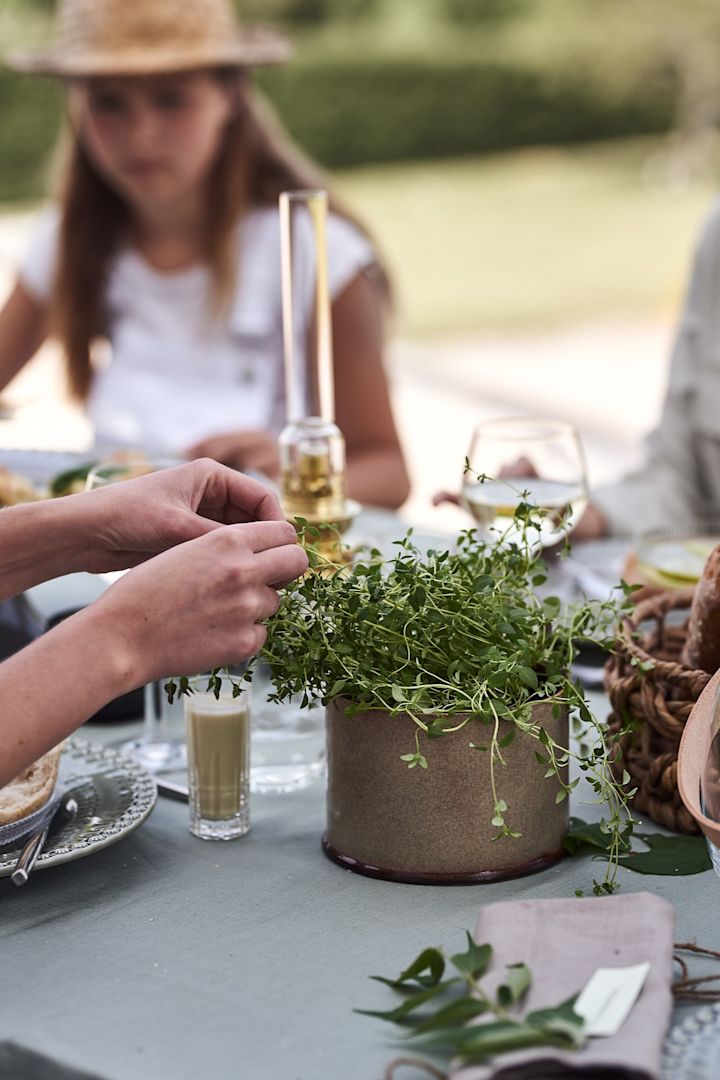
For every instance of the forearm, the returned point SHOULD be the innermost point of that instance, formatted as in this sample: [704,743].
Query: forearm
[378,477]
[39,541]
[48,689]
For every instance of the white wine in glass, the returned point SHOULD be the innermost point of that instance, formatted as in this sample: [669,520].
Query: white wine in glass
[154,748]
[525,460]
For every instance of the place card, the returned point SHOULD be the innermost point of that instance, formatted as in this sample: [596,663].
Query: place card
[608,996]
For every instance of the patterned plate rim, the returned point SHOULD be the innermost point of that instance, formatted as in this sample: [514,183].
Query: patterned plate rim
[144,798]
[679,1044]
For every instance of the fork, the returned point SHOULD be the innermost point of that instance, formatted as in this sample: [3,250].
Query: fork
[36,841]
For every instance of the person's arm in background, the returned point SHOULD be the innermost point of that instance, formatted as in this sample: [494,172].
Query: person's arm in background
[24,316]
[667,491]
[196,605]
[23,329]
[376,471]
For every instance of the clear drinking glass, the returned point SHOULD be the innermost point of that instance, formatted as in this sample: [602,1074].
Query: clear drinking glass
[288,742]
[218,742]
[525,460]
[154,748]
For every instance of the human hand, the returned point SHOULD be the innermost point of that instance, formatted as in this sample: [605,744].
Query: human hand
[247,450]
[521,467]
[126,523]
[201,604]
[446,497]
[592,524]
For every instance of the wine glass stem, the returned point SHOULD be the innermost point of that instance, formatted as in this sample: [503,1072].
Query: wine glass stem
[152,713]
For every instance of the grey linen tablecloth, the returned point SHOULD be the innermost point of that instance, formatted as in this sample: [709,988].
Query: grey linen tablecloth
[564,942]
[19,1063]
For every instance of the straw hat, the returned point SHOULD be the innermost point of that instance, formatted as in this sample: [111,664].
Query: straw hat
[141,37]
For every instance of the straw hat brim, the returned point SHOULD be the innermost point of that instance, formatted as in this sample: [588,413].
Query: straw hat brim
[252,47]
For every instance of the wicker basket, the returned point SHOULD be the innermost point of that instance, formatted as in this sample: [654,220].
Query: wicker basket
[656,703]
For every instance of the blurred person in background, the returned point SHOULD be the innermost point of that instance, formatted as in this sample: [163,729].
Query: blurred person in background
[678,486]
[165,240]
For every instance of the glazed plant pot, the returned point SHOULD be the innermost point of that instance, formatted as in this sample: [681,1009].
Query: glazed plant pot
[433,826]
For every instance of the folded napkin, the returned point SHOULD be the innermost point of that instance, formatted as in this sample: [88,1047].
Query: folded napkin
[19,1063]
[564,942]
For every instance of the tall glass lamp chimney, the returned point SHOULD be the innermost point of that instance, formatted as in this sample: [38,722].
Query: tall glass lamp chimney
[312,449]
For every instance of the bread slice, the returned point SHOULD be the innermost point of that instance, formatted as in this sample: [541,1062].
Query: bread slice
[31,789]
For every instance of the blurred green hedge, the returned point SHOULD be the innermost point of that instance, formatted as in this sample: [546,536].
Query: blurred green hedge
[387,110]
[347,113]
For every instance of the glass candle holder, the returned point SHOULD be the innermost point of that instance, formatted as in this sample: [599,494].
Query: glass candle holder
[312,448]
[312,456]
[218,747]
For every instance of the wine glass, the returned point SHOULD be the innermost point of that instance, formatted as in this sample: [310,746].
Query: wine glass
[154,748]
[530,460]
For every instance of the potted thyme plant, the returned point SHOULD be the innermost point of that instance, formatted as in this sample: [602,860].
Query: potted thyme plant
[447,686]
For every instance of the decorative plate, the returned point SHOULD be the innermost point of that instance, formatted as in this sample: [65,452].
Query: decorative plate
[692,1049]
[114,795]
[675,561]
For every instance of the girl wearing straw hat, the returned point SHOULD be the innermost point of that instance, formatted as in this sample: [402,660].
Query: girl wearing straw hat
[165,241]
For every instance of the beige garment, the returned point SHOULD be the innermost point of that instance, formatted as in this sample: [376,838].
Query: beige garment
[678,487]
[564,942]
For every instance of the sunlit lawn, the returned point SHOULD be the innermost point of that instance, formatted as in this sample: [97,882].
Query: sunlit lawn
[531,238]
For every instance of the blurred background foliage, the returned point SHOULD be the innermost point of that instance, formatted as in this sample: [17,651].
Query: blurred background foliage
[537,130]
[418,79]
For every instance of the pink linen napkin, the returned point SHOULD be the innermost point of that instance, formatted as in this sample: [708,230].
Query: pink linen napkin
[563,942]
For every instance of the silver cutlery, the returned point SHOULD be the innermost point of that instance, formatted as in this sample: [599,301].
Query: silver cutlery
[36,841]
[172,791]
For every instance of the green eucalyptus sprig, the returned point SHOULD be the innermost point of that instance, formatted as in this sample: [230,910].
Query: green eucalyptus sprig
[441,1014]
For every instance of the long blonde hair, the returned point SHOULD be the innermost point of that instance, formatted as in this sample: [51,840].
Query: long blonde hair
[257,161]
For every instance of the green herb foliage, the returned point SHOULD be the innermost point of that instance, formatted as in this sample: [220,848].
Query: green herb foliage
[443,1014]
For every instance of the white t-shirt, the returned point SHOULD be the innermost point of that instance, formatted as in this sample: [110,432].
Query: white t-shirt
[176,376]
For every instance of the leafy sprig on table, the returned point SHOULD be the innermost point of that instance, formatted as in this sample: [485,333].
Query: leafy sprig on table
[667,856]
[454,640]
[438,1013]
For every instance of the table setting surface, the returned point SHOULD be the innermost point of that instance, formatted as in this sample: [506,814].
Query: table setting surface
[163,956]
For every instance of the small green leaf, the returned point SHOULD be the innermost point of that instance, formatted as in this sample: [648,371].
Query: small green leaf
[517,981]
[426,969]
[672,856]
[528,677]
[398,693]
[474,960]
[457,1012]
[410,1004]
[560,1019]
[582,835]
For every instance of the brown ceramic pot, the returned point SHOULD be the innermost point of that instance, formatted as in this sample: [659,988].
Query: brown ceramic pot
[432,826]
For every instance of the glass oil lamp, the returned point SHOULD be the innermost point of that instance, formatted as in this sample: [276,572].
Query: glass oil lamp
[312,448]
